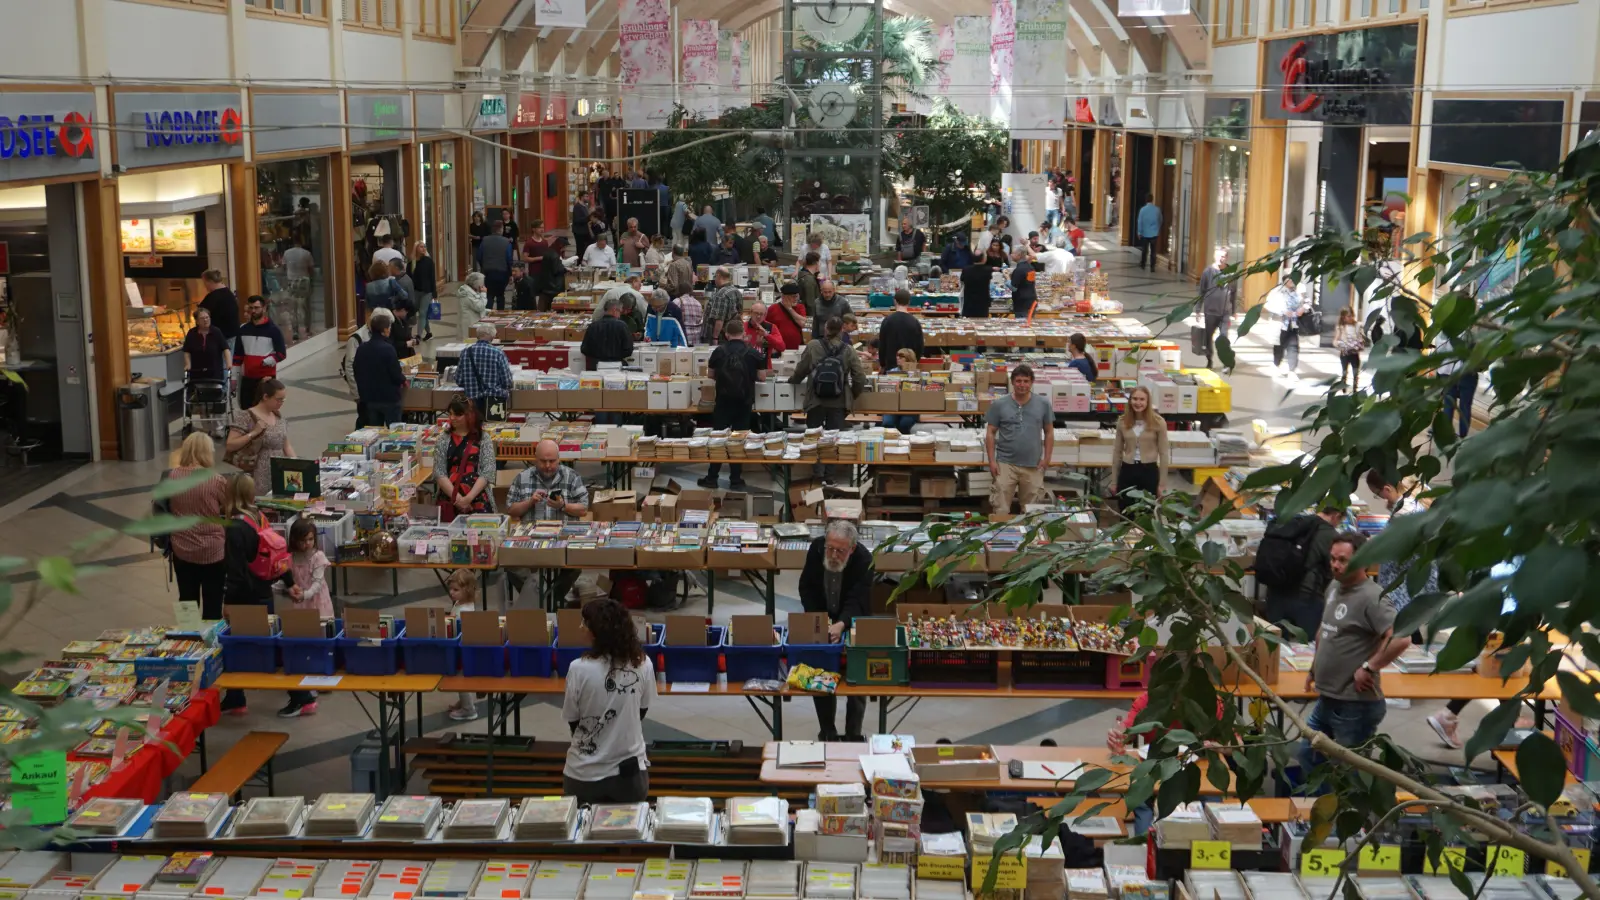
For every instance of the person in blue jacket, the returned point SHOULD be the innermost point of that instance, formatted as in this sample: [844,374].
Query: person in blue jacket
[660,327]
[957,254]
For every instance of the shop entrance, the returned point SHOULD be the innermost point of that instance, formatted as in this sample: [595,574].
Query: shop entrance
[1141,182]
[1084,177]
[292,231]
[376,205]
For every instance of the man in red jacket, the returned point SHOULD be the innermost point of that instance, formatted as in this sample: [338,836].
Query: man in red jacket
[257,350]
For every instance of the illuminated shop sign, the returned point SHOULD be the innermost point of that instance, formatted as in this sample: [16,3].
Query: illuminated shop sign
[171,128]
[30,137]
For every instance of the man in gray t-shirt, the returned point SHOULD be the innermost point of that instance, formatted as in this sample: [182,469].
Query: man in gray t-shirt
[1020,438]
[1353,646]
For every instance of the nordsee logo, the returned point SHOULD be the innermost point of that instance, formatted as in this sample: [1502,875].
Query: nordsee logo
[176,128]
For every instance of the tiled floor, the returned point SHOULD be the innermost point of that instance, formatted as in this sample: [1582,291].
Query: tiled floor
[136,589]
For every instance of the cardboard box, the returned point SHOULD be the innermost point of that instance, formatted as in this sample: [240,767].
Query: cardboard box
[1259,654]
[897,484]
[751,631]
[678,395]
[629,400]
[417,398]
[878,401]
[842,848]
[301,623]
[533,557]
[481,628]
[671,559]
[922,401]
[894,560]
[600,557]
[527,628]
[734,505]
[685,631]
[937,486]
[742,560]
[426,621]
[791,559]
[569,629]
[696,498]
[362,624]
[619,505]
[579,399]
[657,395]
[842,508]
[956,762]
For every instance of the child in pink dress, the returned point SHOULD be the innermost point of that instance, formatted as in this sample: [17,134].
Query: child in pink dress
[310,568]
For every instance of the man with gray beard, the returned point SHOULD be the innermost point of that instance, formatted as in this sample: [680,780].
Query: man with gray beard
[837,580]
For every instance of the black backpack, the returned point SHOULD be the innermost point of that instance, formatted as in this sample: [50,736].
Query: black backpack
[1281,557]
[828,378]
[733,376]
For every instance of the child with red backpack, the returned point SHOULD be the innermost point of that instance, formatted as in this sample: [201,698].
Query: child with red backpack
[256,557]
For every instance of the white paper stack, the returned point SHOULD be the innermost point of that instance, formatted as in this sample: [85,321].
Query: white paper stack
[830,881]
[716,879]
[758,820]
[684,820]
[619,821]
[611,881]
[941,890]
[1081,884]
[547,818]
[774,879]
[666,877]
[1182,827]
[1131,883]
[557,880]
[885,881]
[1218,885]
[983,829]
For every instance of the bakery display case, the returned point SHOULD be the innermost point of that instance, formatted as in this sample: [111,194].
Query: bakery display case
[157,323]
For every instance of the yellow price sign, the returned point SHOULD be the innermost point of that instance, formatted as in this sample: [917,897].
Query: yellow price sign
[1379,858]
[1506,861]
[1011,874]
[942,868]
[1320,862]
[1449,858]
[1210,855]
[1557,870]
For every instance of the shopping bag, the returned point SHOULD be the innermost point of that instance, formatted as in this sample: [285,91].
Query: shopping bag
[435,311]
[1197,339]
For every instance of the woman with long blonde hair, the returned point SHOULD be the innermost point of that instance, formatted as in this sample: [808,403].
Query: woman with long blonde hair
[197,551]
[1140,456]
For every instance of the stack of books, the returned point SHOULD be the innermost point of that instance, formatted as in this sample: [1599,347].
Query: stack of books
[774,879]
[1182,827]
[481,820]
[547,818]
[557,880]
[984,829]
[1080,884]
[758,820]
[105,816]
[191,816]
[1235,823]
[408,818]
[270,817]
[619,822]
[340,815]
[684,820]
[719,879]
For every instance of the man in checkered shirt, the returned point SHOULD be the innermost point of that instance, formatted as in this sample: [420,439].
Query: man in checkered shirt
[724,304]
[484,373]
[549,490]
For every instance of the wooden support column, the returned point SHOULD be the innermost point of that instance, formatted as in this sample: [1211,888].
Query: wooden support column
[341,264]
[411,200]
[108,320]
[1102,178]
[1263,208]
[463,210]
[246,246]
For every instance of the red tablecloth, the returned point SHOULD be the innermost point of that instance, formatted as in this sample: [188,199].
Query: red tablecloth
[144,770]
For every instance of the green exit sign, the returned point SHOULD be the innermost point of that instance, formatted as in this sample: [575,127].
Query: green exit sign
[492,106]
[1169,161]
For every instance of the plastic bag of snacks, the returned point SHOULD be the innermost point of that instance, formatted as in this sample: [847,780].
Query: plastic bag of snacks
[810,678]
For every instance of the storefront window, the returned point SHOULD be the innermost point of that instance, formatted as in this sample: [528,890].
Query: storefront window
[291,199]
[1503,275]
[486,175]
[375,203]
[1230,166]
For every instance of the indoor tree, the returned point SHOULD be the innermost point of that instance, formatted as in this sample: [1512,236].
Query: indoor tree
[953,161]
[1513,492]
[737,164]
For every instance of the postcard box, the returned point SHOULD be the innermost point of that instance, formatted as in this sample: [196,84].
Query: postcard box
[956,762]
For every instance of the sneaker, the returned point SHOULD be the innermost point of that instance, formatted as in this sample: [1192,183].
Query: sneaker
[1444,724]
[237,710]
[463,715]
[708,483]
[296,710]
[736,485]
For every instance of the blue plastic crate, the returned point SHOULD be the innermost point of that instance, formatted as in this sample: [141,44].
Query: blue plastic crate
[310,656]
[695,664]
[483,662]
[565,655]
[531,662]
[431,656]
[748,661]
[248,654]
[364,656]
[827,657]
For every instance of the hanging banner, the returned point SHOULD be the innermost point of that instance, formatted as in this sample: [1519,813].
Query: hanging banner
[645,42]
[969,70]
[1002,58]
[700,69]
[945,49]
[560,14]
[746,71]
[732,52]
[1041,44]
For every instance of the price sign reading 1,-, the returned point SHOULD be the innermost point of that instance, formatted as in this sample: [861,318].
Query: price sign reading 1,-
[1321,862]
[1210,855]
[1557,870]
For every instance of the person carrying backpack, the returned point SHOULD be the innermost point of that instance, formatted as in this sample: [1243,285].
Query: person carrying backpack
[833,377]
[1292,564]
[736,367]
[256,556]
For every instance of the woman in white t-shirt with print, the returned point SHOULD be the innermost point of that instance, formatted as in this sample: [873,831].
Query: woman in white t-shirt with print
[609,690]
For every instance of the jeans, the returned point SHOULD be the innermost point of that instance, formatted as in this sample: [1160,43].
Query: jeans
[1215,325]
[1147,251]
[615,789]
[1349,722]
[495,283]
[855,712]
[201,583]
[902,423]
[380,414]
[1350,368]
[248,389]
[825,417]
[1140,476]
[1458,400]
[735,418]
[423,300]
[1288,349]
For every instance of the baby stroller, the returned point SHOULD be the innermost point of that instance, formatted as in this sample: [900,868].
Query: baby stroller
[207,406]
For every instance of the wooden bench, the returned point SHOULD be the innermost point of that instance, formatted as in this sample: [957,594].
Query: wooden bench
[249,759]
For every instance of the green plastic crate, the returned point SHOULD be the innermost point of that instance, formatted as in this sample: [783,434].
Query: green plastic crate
[877,665]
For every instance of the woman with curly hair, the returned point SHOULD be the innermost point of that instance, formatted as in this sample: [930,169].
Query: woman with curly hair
[609,690]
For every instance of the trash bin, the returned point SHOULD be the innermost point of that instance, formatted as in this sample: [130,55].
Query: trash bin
[160,421]
[135,432]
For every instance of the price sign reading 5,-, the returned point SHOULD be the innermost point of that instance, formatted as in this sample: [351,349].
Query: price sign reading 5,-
[1321,862]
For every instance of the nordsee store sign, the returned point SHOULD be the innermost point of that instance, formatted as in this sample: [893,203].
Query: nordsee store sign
[162,128]
[378,118]
[47,134]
